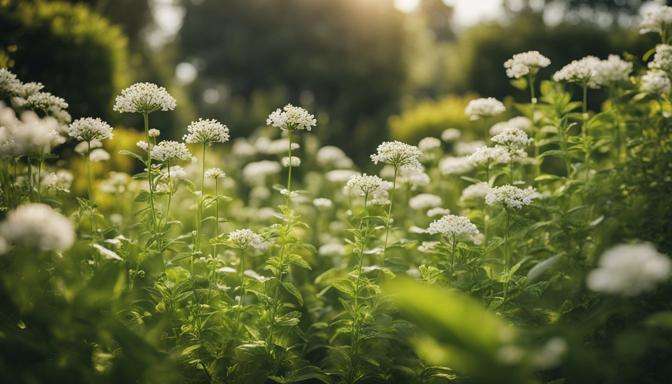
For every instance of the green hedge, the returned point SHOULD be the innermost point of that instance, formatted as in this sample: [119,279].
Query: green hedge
[75,52]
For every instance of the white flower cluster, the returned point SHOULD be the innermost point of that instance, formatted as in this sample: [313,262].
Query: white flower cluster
[629,269]
[206,131]
[291,118]
[243,148]
[367,185]
[510,196]
[154,133]
[38,226]
[424,201]
[526,63]
[9,84]
[662,60]
[274,147]
[115,183]
[479,108]
[330,155]
[475,192]
[657,20]
[322,203]
[397,154]
[467,148]
[214,174]
[580,71]
[518,122]
[612,71]
[340,175]
[655,82]
[144,98]
[170,150]
[450,165]
[490,155]
[174,173]
[428,144]
[89,129]
[295,162]
[438,211]
[511,137]
[451,134]
[415,176]
[452,225]
[99,154]
[256,172]
[60,180]
[28,136]
[246,238]
[45,101]
[331,249]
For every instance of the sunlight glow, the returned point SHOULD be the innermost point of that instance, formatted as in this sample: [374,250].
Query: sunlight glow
[466,11]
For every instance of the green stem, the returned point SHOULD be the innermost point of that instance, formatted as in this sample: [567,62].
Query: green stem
[354,346]
[242,286]
[533,102]
[289,167]
[145,116]
[389,210]
[90,187]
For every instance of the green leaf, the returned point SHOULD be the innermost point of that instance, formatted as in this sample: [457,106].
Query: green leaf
[293,290]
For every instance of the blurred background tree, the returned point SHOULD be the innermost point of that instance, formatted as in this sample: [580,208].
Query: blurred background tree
[356,63]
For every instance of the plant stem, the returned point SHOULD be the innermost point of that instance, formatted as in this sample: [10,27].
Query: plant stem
[90,187]
[354,346]
[389,210]
[289,168]
[533,102]
[242,286]
[145,116]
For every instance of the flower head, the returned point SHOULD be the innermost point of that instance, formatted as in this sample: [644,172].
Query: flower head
[98,155]
[438,211]
[451,225]
[476,191]
[46,102]
[214,174]
[60,180]
[511,197]
[295,162]
[246,238]
[154,132]
[144,98]
[451,134]
[519,122]
[89,129]
[291,118]
[658,20]
[340,175]
[397,154]
[612,71]
[256,172]
[424,201]
[206,131]
[579,72]
[629,269]
[429,144]
[525,63]
[322,203]
[490,155]
[450,165]
[38,226]
[330,155]
[655,82]
[9,84]
[170,150]
[511,137]
[367,185]
[479,108]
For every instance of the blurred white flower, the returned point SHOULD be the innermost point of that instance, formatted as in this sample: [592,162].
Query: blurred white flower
[295,162]
[424,201]
[322,203]
[613,71]
[629,270]
[60,180]
[154,132]
[455,165]
[450,134]
[38,226]
[330,155]
[331,249]
[429,144]
[655,83]
[485,107]
[519,122]
[658,20]
[476,191]
[89,129]
[438,211]
[579,72]
[214,174]
[467,148]
[246,238]
[340,175]
[256,172]
[98,155]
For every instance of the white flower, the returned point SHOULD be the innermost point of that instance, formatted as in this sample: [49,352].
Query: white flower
[629,269]
[246,238]
[294,163]
[490,155]
[450,134]
[89,129]
[242,148]
[367,185]
[451,225]
[214,174]
[455,165]
[322,203]
[331,249]
[525,63]
[416,177]
[476,191]
[25,90]
[206,131]
[60,180]
[519,122]
[333,156]
[9,84]
[29,136]
[154,132]
[256,172]
[175,173]
[662,60]
[658,20]
[397,154]
[510,196]
[46,102]
[511,137]
[612,71]
[429,144]
[424,201]
[170,150]
[291,118]
[655,83]
[428,246]
[144,98]
[467,148]
[142,144]
[115,183]
[438,211]
[38,226]
[98,155]
[480,108]
[340,175]
[579,71]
